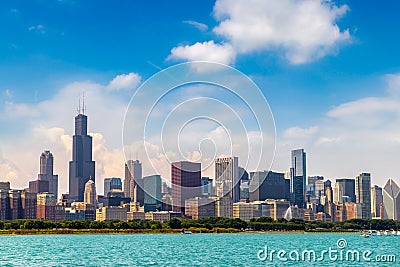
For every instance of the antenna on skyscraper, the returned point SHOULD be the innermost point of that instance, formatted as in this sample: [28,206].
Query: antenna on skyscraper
[78,109]
[83,104]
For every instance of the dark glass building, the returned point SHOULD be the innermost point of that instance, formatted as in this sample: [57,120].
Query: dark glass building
[298,178]
[345,187]
[186,183]
[267,185]
[81,167]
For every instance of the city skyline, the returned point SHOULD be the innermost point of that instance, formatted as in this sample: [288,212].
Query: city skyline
[338,100]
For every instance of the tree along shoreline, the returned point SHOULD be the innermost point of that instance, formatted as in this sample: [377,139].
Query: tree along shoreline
[204,225]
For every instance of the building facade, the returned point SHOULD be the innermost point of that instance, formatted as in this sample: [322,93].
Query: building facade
[111,213]
[200,207]
[46,207]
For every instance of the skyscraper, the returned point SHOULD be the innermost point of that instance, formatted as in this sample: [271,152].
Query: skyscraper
[152,192]
[82,167]
[206,186]
[363,194]
[110,184]
[344,187]
[90,195]
[376,201]
[133,183]
[227,178]
[391,200]
[186,183]
[46,172]
[267,185]
[298,178]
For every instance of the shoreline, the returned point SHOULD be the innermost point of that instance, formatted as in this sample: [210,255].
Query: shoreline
[21,232]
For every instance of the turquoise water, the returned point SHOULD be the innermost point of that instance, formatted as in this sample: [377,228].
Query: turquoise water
[186,250]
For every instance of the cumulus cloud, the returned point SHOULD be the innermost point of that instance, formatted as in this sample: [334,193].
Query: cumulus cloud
[125,81]
[305,30]
[206,51]
[301,30]
[200,26]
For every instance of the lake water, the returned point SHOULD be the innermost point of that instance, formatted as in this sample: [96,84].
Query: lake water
[195,250]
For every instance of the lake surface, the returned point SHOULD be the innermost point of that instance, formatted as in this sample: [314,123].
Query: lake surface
[197,250]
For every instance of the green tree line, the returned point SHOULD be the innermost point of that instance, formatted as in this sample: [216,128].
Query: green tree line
[260,224]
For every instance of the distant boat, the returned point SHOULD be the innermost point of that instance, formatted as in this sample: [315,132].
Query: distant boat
[387,233]
[187,232]
[365,235]
[379,233]
[398,233]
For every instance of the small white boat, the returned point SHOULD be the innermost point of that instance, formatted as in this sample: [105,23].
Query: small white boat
[187,232]
[378,233]
[394,233]
[387,233]
[365,235]
[398,233]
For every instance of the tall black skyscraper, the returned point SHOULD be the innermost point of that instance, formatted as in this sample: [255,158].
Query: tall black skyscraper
[82,167]
[298,178]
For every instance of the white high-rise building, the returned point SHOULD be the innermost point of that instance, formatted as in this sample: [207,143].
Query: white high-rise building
[227,178]
[391,200]
[90,195]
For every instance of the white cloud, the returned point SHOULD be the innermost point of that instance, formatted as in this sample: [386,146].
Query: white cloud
[16,110]
[200,26]
[297,132]
[393,81]
[206,51]
[125,81]
[37,28]
[305,30]
[301,30]
[8,93]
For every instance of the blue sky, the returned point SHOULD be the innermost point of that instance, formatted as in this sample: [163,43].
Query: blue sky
[98,39]
[47,47]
